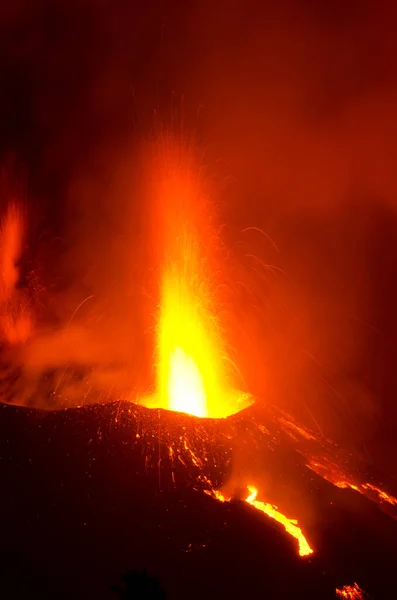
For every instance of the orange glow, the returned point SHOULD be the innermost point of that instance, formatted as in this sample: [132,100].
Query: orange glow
[292,428]
[193,369]
[290,525]
[15,320]
[191,377]
[351,592]
[219,496]
[185,387]
[16,328]
[383,496]
[343,485]
[10,242]
[334,474]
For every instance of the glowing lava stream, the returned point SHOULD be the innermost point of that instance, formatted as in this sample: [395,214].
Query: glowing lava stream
[290,525]
[350,592]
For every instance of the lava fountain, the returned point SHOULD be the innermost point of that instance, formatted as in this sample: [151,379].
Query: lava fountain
[194,372]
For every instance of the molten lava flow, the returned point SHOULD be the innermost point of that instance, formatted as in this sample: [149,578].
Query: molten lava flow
[193,370]
[351,592]
[290,525]
[382,495]
[332,463]
[333,473]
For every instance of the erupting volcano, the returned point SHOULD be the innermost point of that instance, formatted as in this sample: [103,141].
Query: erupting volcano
[193,370]
[198,428]
[198,257]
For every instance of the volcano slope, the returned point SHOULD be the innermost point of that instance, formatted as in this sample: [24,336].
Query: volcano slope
[88,493]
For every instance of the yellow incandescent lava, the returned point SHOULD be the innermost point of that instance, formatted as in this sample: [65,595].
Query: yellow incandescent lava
[350,592]
[191,377]
[194,372]
[290,525]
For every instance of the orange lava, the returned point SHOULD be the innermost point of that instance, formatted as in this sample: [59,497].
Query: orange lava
[193,368]
[292,429]
[290,525]
[333,473]
[382,495]
[351,592]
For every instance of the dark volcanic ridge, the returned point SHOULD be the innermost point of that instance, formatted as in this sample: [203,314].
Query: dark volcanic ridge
[109,494]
